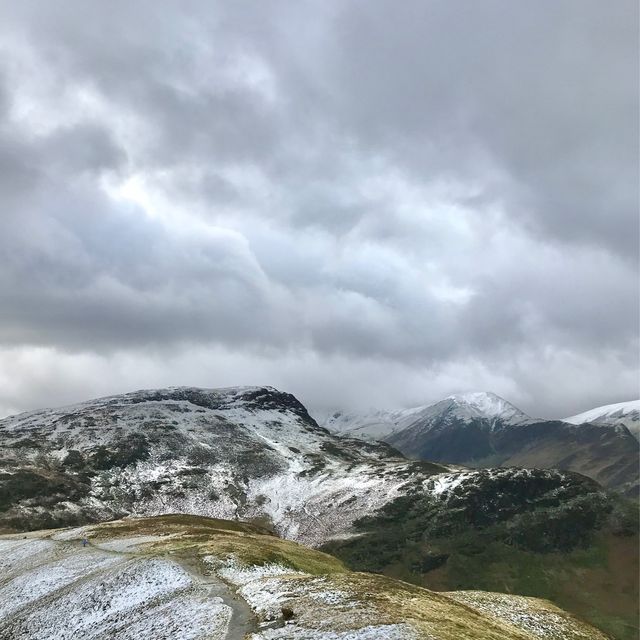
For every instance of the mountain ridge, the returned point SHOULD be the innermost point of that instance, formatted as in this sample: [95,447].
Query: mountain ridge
[620,413]
[482,429]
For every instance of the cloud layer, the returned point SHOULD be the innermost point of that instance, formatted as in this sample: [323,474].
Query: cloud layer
[362,203]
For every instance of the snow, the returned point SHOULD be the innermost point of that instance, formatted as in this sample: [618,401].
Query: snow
[444,483]
[381,424]
[308,508]
[95,594]
[537,618]
[270,587]
[16,554]
[607,412]
[484,404]
[62,591]
[621,413]
[239,575]
[47,578]
[234,453]
[373,632]
[374,424]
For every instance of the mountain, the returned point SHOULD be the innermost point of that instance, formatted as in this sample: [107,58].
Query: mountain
[255,454]
[481,429]
[621,413]
[251,453]
[375,424]
[185,577]
[378,424]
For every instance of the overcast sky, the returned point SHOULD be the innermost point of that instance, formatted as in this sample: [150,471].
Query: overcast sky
[363,203]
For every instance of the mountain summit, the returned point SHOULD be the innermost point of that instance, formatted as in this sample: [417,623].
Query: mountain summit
[482,405]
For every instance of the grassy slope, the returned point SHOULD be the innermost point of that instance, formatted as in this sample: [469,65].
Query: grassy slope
[200,536]
[374,599]
[597,581]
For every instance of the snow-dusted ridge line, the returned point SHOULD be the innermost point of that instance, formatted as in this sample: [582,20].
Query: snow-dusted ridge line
[380,424]
[625,414]
[141,394]
[608,414]
[242,452]
[490,405]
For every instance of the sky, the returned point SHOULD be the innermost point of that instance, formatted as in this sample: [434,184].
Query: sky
[362,203]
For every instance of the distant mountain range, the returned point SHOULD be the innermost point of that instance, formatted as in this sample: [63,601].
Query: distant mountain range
[482,429]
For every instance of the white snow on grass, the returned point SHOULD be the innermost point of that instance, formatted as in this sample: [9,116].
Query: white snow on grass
[314,508]
[442,484]
[266,587]
[374,632]
[239,575]
[236,453]
[538,618]
[47,578]
[103,601]
[15,554]
[187,617]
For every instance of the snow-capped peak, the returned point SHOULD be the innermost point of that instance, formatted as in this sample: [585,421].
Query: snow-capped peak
[484,404]
[378,424]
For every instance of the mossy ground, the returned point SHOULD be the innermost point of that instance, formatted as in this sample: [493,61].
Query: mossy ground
[198,536]
[575,553]
[598,583]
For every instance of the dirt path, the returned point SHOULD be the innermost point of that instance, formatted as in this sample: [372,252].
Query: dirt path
[243,621]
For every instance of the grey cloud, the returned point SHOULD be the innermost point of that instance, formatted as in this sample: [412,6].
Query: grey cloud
[421,186]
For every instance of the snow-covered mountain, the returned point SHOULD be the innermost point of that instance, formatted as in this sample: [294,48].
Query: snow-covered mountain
[374,424]
[459,428]
[378,424]
[250,453]
[621,413]
[467,407]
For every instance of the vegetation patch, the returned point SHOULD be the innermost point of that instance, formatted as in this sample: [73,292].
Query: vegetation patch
[540,542]
[124,453]
[47,487]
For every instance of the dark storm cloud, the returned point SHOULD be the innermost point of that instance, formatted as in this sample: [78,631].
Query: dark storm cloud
[420,186]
